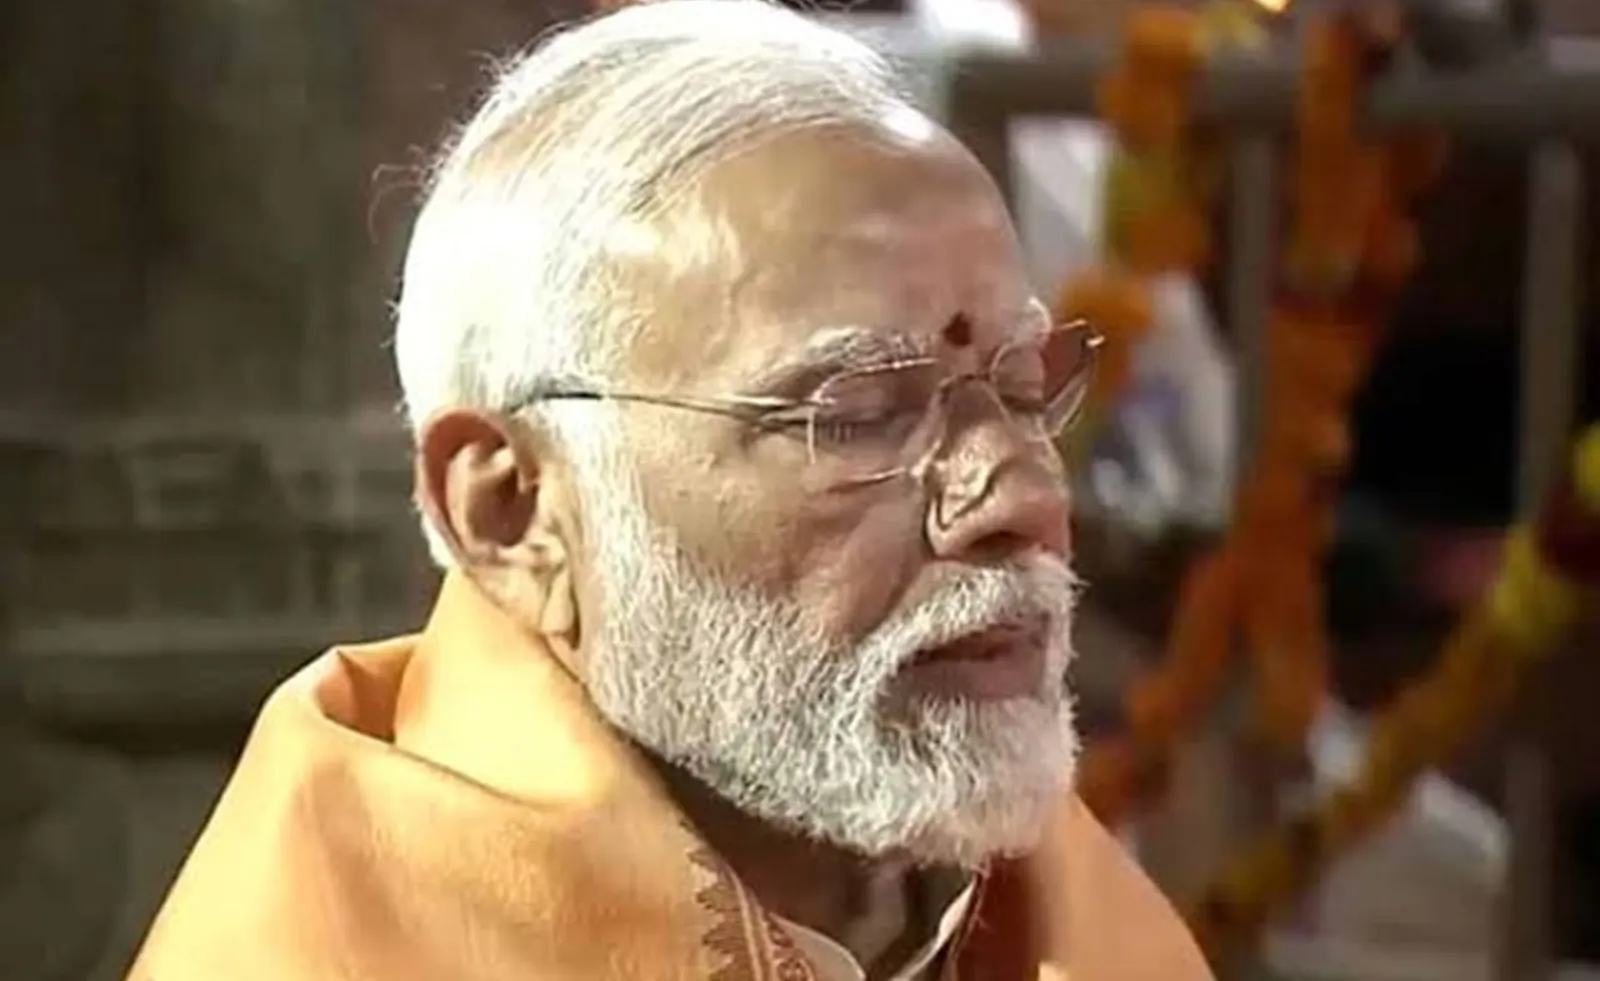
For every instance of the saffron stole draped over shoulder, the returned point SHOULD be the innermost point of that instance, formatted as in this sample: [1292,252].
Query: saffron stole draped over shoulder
[448,807]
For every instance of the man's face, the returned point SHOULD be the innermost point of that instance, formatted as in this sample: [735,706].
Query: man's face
[878,663]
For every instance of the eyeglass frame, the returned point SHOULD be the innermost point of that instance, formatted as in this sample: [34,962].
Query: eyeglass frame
[760,411]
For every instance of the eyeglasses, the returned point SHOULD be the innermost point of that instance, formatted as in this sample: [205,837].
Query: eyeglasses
[869,425]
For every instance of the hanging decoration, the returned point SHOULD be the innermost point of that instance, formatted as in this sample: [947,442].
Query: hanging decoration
[1549,579]
[1158,193]
[1350,247]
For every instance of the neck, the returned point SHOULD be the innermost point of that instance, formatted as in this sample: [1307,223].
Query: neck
[861,903]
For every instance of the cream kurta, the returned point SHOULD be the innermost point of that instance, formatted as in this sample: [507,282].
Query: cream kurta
[448,807]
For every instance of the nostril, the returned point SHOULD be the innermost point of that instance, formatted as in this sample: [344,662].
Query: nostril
[1001,546]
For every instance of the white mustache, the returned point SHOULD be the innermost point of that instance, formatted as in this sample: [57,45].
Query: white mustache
[979,598]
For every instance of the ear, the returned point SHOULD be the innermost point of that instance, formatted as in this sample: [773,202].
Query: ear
[492,488]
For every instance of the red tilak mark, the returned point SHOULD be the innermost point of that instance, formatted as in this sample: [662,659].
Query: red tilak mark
[958,331]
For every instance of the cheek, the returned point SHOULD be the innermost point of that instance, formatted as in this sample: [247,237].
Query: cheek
[847,559]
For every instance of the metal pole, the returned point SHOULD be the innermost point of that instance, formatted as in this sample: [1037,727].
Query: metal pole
[1551,338]
[1223,790]
[1519,99]
[1254,777]
[1552,295]
[1253,227]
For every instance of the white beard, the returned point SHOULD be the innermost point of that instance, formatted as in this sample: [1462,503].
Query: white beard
[752,697]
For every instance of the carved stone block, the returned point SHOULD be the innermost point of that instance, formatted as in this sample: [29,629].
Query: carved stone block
[219,482]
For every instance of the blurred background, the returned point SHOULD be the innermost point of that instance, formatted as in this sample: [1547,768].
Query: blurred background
[204,482]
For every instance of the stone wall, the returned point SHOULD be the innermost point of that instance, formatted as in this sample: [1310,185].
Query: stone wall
[71,227]
[254,212]
[201,471]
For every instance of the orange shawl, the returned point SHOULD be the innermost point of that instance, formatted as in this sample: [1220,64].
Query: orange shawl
[447,807]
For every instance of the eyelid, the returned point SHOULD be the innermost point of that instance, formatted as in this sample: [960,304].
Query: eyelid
[863,350]
[846,349]
[898,364]
[896,353]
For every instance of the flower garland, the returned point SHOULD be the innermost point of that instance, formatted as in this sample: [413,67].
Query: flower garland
[1158,195]
[1549,577]
[1155,221]
[1350,247]
[1158,191]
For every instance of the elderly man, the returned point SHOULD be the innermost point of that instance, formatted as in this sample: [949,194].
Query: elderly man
[733,416]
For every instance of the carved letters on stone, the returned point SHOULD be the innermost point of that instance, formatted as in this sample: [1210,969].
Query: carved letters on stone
[218,483]
[143,522]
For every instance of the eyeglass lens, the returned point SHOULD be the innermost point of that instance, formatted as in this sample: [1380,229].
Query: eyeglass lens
[874,423]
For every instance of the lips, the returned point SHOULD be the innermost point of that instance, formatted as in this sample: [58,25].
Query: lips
[983,645]
[995,663]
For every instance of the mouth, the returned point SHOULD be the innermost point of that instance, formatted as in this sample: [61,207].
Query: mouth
[993,664]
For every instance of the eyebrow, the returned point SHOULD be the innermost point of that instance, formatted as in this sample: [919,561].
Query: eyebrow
[852,348]
[832,351]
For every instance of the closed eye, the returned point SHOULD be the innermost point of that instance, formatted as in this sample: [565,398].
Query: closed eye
[880,425]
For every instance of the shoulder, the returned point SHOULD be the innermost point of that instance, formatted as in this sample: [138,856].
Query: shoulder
[1106,919]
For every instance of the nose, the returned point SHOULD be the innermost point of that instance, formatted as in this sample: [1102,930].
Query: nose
[995,492]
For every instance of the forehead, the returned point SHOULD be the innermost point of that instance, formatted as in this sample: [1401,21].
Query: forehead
[838,242]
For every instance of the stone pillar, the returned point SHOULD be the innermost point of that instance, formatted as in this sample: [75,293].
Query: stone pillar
[255,205]
[71,299]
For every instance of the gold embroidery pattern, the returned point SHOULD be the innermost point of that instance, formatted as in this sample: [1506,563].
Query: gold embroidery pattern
[754,947]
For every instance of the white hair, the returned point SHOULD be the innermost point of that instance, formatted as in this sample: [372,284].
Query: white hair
[510,284]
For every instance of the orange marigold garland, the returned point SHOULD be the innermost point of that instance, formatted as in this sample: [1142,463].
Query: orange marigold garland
[1153,222]
[1350,246]
[1156,206]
